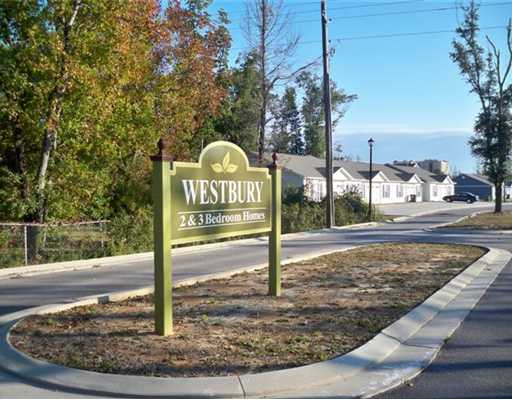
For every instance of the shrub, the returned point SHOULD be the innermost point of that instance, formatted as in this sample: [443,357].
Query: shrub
[131,233]
[300,214]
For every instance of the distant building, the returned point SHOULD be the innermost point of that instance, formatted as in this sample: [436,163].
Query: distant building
[435,185]
[508,191]
[390,183]
[406,163]
[476,184]
[435,166]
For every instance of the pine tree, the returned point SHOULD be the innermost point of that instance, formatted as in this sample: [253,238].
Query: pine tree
[296,142]
[313,111]
[286,136]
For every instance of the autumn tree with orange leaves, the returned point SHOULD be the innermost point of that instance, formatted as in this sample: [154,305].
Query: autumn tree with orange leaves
[86,89]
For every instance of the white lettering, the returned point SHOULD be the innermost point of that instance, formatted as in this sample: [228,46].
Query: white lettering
[214,193]
[259,186]
[204,192]
[232,192]
[250,192]
[221,192]
[190,188]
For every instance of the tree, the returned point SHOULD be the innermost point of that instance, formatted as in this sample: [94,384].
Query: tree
[86,89]
[266,30]
[190,54]
[237,120]
[313,111]
[488,79]
[286,136]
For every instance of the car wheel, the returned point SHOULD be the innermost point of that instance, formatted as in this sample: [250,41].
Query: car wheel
[469,201]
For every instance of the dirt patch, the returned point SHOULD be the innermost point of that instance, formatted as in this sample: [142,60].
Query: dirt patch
[486,221]
[329,306]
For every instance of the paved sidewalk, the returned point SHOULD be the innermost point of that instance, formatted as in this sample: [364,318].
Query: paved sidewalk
[477,361]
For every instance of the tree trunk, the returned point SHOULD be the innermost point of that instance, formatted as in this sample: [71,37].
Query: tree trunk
[498,203]
[47,146]
[21,162]
[263,80]
[261,137]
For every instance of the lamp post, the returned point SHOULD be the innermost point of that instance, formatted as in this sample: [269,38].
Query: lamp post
[370,144]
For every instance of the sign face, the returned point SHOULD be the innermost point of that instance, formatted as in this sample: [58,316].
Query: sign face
[220,196]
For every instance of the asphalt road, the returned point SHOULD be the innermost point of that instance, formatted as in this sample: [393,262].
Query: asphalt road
[479,357]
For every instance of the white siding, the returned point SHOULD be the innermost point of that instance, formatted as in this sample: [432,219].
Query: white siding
[382,192]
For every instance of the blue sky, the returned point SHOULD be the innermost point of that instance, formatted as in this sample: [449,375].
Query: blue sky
[409,91]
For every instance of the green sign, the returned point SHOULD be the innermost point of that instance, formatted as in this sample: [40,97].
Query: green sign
[220,196]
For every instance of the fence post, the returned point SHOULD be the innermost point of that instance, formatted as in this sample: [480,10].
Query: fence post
[162,239]
[274,243]
[102,235]
[25,246]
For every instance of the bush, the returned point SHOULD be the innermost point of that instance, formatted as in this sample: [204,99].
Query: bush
[131,233]
[300,214]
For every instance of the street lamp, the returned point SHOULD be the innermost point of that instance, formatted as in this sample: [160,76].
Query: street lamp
[370,144]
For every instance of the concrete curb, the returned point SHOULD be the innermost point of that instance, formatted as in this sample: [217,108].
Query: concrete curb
[397,353]
[76,265]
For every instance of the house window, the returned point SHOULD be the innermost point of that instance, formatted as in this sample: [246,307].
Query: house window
[434,190]
[386,191]
[399,191]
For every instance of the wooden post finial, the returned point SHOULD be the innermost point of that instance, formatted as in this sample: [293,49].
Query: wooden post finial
[163,151]
[274,160]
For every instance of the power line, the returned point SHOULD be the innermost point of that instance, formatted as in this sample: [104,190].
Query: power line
[417,11]
[365,6]
[389,3]
[427,10]
[388,35]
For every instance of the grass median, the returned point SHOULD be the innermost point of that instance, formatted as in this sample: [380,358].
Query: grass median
[486,221]
[330,305]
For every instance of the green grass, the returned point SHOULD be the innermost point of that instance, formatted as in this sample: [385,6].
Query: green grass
[487,221]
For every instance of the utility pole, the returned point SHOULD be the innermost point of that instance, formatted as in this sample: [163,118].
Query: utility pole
[370,144]
[329,210]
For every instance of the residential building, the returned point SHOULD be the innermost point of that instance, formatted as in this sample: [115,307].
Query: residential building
[435,186]
[390,183]
[508,191]
[476,184]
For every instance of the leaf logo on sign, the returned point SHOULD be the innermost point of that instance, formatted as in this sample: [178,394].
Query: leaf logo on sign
[226,166]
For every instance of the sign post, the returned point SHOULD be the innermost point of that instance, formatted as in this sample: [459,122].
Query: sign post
[220,196]
[162,239]
[274,243]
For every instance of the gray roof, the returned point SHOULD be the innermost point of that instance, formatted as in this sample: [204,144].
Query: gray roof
[423,174]
[479,178]
[313,167]
[307,166]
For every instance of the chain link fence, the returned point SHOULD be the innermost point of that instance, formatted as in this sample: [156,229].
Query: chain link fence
[32,243]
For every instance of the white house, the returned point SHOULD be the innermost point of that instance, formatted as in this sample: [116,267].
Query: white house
[390,184]
[435,186]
